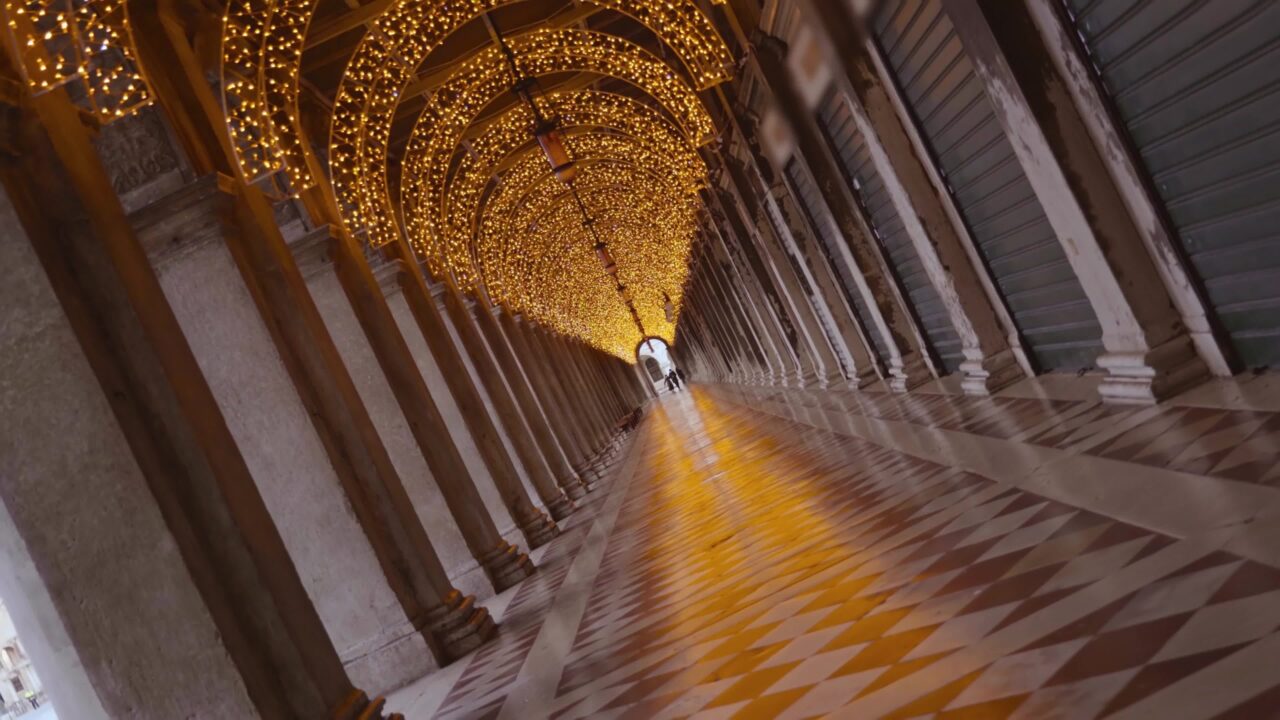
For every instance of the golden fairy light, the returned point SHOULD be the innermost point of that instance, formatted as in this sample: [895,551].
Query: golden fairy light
[60,41]
[481,204]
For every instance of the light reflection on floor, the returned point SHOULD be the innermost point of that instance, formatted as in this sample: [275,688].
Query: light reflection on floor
[761,568]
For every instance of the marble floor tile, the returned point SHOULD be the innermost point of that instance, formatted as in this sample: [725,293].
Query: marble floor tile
[758,554]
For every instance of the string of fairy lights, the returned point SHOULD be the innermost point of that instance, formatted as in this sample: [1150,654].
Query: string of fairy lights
[577,208]
[64,41]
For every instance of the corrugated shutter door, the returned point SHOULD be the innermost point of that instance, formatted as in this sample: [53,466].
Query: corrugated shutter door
[826,233]
[855,161]
[996,200]
[1197,84]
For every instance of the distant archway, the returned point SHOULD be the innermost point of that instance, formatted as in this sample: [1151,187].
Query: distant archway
[654,355]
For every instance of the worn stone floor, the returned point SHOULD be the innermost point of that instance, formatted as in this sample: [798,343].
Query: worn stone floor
[771,554]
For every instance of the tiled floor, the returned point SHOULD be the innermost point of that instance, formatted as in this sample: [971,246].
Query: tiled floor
[764,555]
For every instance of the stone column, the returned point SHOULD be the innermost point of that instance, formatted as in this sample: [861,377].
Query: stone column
[175,74]
[715,355]
[726,339]
[993,356]
[561,416]
[534,524]
[821,368]
[1124,167]
[351,302]
[763,297]
[501,395]
[908,362]
[538,418]
[589,360]
[723,290]
[579,388]
[625,380]
[454,463]
[333,472]
[699,353]
[1149,353]
[847,352]
[125,495]
[727,302]
[737,288]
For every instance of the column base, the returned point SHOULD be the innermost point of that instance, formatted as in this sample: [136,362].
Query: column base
[863,379]
[506,565]
[983,376]
[538,529]
[561,508]
[574,487]
[1146,378]
[831,380]
[907,373]
[588,477]
[459,626]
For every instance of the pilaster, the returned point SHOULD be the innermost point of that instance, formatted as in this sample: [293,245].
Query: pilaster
[908,362]
[502,396]
[351,302]
[1149,353]
[993,355]
[538,417]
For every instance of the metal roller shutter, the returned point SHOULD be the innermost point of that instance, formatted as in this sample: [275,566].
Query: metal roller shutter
[860,172]
[818,219]
[997,202]
[1197,84]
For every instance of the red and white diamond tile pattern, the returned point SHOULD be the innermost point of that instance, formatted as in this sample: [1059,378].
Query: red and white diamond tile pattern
[763,569]
[1241,445]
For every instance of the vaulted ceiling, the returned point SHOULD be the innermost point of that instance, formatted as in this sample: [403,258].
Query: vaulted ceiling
[404,112]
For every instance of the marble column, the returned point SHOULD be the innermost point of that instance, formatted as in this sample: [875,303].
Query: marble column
[821,368]
[908,360]
[993,356]
[534,524]
[539,418]
[1149,355]
[581,393]
[125,495]
[505,405]
[561,414]
[763,296]
[721,287]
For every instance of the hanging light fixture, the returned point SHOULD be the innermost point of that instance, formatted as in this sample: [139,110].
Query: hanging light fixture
[606,259]
[547,132]
[669,308]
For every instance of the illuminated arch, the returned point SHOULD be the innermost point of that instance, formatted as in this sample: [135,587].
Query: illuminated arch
[596,125]
[444,120]
[263,40]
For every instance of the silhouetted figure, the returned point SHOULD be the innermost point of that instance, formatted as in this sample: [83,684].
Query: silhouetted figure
[673,379]
[680,376]
[671,384]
